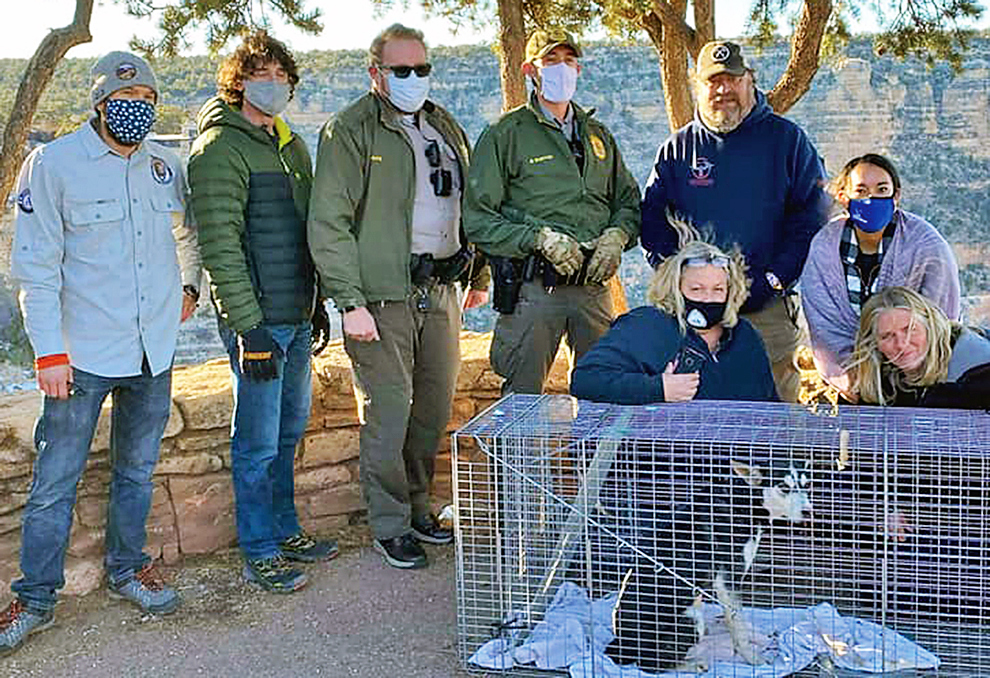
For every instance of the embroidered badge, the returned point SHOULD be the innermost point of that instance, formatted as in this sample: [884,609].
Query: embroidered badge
[126,71]
[598,146]
[24,201]
[701,172]
[160,171]
[720,53]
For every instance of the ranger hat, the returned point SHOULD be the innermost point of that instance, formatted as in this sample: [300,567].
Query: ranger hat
[117,70]
[720,56]
[542,42]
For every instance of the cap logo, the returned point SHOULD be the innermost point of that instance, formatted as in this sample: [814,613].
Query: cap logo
[720,53]
[126,71]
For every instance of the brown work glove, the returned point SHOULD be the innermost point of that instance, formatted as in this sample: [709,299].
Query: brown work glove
[608,254]
[560,249]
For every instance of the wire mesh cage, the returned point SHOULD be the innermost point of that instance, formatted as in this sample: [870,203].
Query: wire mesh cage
[722,539]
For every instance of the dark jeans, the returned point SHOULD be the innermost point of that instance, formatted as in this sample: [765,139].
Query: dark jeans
[269,420]
[62,437]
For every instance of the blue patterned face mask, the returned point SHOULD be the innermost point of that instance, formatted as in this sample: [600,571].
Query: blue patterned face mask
[129,120]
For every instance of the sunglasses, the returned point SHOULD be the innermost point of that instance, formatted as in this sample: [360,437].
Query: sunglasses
[402,72]
[708,260]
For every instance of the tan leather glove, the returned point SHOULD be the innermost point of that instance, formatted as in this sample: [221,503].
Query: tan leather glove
[608,254]
[560,249]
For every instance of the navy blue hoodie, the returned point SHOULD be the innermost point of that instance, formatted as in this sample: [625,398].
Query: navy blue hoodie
[759,187]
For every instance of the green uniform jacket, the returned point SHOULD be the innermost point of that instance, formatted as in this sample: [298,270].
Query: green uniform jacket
[360,215]
[523,167]
[232,164]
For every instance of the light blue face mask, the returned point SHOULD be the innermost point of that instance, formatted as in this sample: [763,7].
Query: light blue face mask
[408,94]
[271,97]
[871,214]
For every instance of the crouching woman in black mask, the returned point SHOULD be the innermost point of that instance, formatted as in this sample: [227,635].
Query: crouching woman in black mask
[688,343]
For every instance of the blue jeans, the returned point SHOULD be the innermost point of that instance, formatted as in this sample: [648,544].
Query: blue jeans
[269,420]
[62,437]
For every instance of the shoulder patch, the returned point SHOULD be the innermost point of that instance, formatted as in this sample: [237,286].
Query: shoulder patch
[597,145]
[24,201]
[161,171]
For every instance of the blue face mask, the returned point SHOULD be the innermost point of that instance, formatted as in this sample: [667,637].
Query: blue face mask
[871,214]
[129,120]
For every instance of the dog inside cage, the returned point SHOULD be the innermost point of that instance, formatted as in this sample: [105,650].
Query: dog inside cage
[723,539]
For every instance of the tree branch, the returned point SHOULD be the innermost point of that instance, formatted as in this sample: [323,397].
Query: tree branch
[803,63]
[36,77]
[704,25]
[671,43]
[671,14]
[512,47]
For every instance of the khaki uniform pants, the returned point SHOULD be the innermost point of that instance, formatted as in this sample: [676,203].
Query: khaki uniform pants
[404,385]
[526,342]
[783,328]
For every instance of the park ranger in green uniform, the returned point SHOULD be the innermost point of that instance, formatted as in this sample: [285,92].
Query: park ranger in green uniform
[550,200]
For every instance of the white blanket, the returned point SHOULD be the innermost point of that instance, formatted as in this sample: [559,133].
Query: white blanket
[575,631]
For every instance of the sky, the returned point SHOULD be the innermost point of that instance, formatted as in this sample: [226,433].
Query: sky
[348,24]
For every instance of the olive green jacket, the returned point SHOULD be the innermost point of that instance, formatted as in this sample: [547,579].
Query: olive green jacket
[360,213]
[524,176]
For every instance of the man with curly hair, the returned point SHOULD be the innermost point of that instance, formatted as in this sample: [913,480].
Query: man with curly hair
[250,177]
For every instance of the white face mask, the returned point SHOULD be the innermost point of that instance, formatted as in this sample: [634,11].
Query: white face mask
[558,83]
[268,96]
[408,94]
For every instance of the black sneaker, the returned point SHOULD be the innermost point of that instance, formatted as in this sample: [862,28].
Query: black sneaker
[274,574]
[429,530]
[305,549]
[403,552]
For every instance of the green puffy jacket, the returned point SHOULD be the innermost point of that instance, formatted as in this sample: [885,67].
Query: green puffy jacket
[249,195]
[360,215]
[524,176]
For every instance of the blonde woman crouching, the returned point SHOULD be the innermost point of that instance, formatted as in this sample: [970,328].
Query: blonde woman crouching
[688,343]
[909,353]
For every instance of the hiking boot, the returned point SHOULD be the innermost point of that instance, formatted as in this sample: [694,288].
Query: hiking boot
[17,623]
[148,591]
[403,552]
[429,530]
[305,549]
[274,574]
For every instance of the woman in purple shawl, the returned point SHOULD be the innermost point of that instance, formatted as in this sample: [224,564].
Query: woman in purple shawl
[874,244]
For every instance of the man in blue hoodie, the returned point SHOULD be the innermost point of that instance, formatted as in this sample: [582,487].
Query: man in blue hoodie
[754,180]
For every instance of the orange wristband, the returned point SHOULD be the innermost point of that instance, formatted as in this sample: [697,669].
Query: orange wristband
[53,360]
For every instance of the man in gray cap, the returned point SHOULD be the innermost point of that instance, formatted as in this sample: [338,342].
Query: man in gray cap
[551,201]
[755,180]
[99,215]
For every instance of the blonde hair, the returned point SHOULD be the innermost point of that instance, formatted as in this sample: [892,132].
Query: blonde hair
[877,379]
[393,32]
[664,290]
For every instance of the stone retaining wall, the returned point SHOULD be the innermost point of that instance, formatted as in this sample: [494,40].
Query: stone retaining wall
[192,510]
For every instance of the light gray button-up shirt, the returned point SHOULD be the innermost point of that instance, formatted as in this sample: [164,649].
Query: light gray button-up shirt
[95,255]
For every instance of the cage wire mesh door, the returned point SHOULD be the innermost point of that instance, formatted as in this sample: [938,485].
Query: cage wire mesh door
[722,539]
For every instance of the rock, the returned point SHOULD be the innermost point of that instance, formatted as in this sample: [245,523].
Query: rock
[10,522]
[14,470]
[325,526]
[331,447]
[162,536]
[322,478]
[86,541]
[210,439]
[101,438]
[203,394]
[17,417]
[190,465]
[341,500]
[82,576]
[175,423]
[461,413]
[339,418]
[92,511]
[204,512]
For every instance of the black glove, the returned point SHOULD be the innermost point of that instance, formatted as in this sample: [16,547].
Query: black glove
[259,354]
[321,328]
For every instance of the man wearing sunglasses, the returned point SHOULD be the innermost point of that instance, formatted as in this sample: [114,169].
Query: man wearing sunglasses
[756,180]
[550,199]
[385,233]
